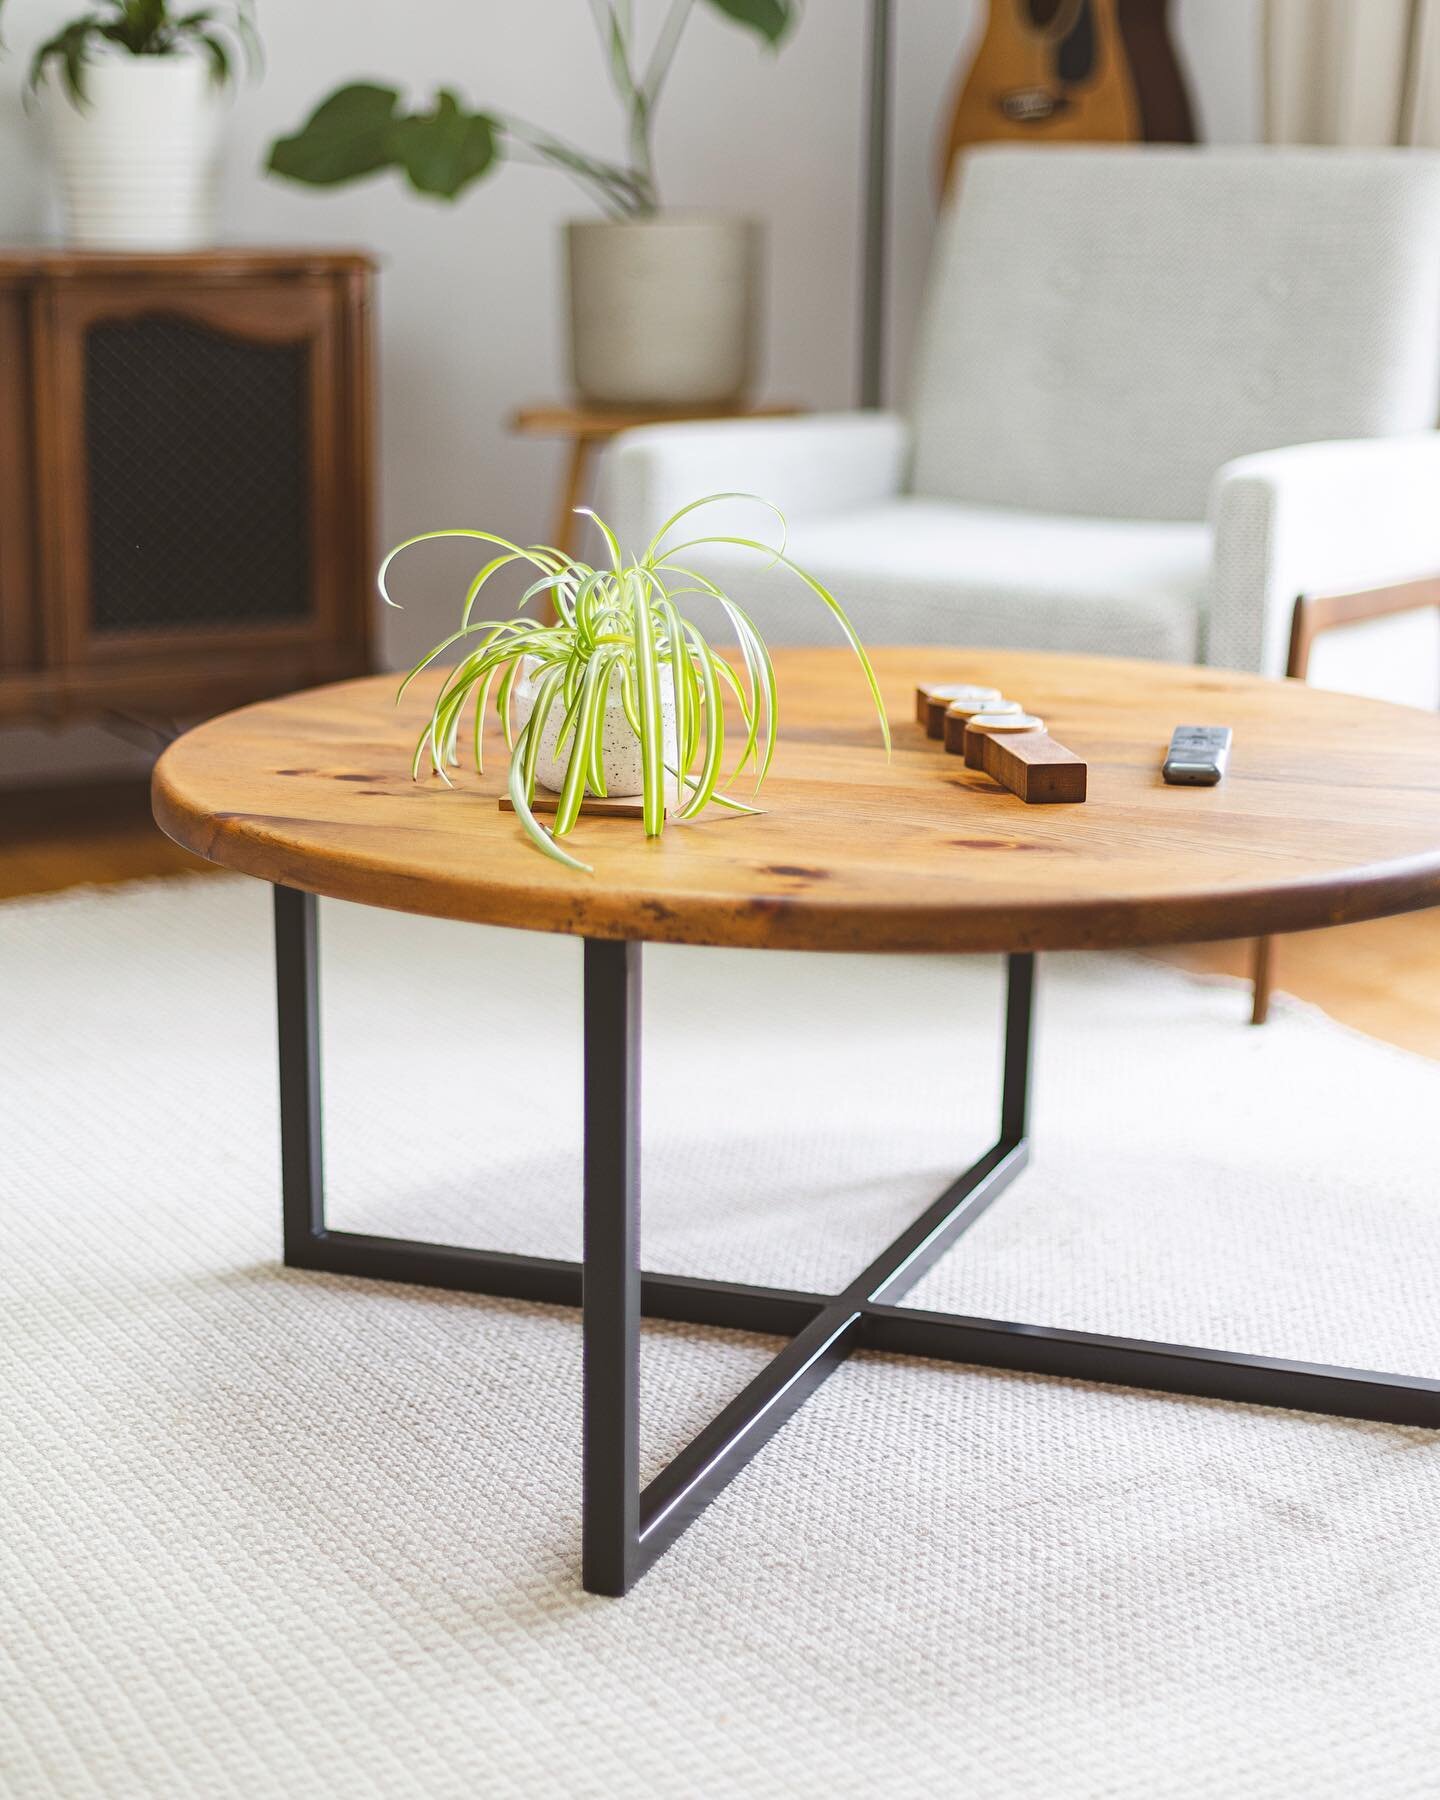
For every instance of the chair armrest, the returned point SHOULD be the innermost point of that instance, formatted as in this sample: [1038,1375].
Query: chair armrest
[1310,519]
[820,463]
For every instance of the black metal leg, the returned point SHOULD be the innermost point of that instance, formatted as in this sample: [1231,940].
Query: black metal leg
[611,1279]
[624,1529]
[297,1000]
[1019,1047]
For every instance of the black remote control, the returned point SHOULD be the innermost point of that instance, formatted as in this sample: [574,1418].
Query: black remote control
[1197,755]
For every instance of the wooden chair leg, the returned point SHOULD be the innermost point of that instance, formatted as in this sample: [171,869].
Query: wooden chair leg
[1263,979]
[566,531]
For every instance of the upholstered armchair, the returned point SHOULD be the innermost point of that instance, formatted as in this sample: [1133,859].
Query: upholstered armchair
[1159,396]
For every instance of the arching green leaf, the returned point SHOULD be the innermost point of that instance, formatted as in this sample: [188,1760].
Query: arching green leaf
[771,18]
[348,135]
[357,131]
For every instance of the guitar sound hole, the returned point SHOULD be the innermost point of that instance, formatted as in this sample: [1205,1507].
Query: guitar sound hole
[1042,13]
[1075,60]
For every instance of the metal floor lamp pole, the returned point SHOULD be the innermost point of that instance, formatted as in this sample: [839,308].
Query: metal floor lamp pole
[877,197]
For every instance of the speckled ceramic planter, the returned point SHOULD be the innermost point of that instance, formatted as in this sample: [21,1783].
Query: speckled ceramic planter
[624,775]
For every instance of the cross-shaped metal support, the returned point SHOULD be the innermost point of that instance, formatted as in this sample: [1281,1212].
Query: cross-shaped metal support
[625,1527]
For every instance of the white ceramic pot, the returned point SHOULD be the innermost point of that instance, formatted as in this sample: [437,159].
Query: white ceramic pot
[624,772]
[663,310]
[137,161]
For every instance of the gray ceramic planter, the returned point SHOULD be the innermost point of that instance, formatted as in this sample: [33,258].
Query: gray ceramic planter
[662,310]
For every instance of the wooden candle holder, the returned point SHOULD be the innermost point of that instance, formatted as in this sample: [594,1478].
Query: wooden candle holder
[933,698]
[1033,766]
[1016,724]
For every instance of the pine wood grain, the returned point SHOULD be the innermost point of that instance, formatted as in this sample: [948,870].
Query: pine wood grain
[1381,977]
[1330,813]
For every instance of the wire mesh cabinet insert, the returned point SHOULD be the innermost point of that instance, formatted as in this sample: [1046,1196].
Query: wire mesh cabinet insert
[194,438]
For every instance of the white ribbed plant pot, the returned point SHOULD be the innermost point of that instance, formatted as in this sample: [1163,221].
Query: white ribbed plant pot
[137,161]
[624,773]
[663,310]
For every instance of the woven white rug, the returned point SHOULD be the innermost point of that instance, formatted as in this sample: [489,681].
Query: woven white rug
[268,1534]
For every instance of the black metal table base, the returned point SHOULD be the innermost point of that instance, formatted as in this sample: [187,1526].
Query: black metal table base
[625,1527]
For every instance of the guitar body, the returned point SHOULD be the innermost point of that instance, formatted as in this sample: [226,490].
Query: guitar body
[1072,71]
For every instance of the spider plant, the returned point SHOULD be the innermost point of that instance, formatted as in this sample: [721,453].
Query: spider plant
[616,630]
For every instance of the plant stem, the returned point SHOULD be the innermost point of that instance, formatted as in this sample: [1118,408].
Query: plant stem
[642,158]
[616,189]
[614,24]
[663,54]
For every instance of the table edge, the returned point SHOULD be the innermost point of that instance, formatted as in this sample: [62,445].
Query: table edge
[790,921]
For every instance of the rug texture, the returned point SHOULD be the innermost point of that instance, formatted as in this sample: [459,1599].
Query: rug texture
[272,1534]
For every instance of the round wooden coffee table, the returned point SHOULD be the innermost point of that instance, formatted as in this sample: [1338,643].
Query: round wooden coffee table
[1330,813]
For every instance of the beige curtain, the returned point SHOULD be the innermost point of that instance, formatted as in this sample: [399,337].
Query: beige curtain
[1352,71]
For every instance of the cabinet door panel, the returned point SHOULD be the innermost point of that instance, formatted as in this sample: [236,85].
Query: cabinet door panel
[188,479]
[197,469]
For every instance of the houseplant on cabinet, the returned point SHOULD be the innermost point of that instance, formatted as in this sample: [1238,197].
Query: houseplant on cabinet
[622,694]
[132,94]
[662,303]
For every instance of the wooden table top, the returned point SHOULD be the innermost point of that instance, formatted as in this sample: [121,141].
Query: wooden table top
[1330,813]
[584,419]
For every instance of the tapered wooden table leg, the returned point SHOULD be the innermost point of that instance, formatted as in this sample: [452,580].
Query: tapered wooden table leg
[566,529]
[1264,976]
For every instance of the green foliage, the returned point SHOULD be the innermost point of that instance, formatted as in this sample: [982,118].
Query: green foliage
[356,131]
[149,28]
[771,18]
[616,629]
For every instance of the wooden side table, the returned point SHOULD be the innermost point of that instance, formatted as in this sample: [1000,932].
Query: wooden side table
[588,428]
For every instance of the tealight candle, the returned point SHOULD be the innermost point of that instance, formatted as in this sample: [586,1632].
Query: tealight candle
[932,698]
[987,724]
[959,713]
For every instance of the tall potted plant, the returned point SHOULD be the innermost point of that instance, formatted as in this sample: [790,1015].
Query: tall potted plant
[662,303]
[132,96]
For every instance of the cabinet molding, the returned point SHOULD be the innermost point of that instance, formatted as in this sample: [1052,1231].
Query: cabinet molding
[185,478]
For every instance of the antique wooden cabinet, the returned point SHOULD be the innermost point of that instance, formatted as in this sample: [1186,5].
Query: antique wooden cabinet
[185,479]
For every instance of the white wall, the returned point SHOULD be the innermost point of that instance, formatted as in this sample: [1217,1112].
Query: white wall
[470,295]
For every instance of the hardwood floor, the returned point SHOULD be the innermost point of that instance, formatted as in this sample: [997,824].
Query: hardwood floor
[1383,978]
[60,837]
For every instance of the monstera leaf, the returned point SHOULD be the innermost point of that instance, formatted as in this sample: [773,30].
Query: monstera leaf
[358,131]
[771,18]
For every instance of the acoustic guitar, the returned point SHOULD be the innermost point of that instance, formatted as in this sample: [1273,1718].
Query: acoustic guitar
[1072,70]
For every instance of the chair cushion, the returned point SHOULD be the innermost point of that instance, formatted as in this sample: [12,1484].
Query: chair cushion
[1105,327]
[930,571]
